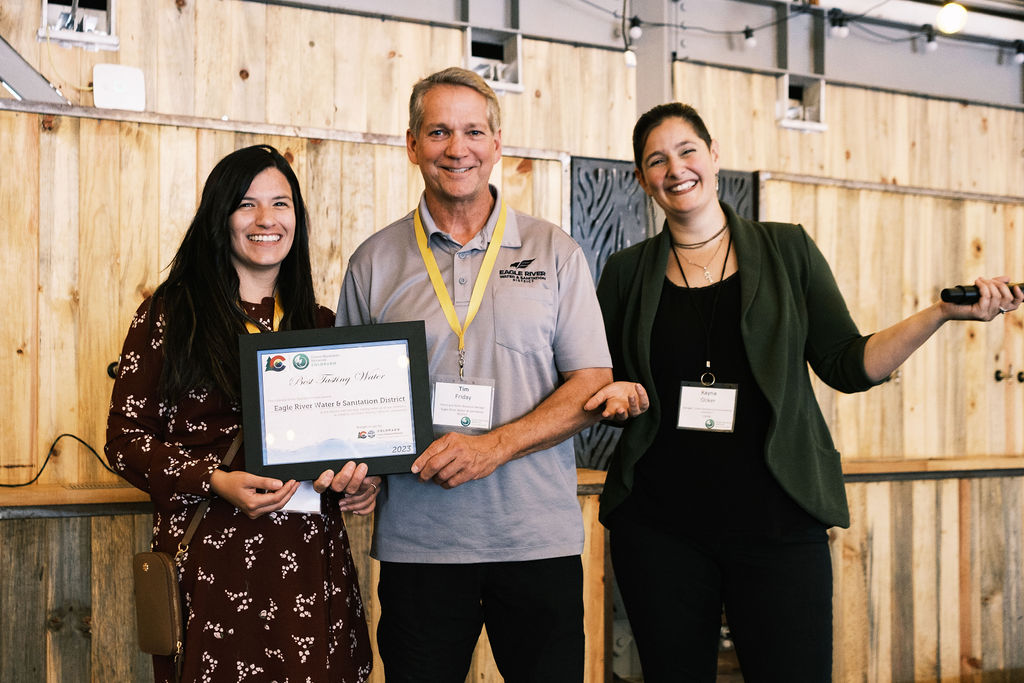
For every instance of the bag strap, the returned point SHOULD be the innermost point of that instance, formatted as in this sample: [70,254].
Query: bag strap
[201,510]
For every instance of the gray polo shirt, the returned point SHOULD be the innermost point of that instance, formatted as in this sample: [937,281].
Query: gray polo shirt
[539,317]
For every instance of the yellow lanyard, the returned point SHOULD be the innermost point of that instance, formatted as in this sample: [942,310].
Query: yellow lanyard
[441,290]
[278,315]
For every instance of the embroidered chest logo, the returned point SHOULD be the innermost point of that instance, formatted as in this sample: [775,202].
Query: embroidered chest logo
[517,272]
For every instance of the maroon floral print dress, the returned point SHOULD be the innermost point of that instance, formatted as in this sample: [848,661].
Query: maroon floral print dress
[270,599]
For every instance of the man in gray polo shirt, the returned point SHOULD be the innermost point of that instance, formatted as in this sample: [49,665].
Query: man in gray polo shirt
[487,528]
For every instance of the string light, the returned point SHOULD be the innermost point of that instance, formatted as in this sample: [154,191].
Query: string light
[748,37]
[635,30]
[1018,56]
[929,33]
[951,18]
[837,23]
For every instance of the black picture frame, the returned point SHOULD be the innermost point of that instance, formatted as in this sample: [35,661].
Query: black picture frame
[256,350]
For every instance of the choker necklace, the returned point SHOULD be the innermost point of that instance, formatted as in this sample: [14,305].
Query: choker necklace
[707,273]
[698,245]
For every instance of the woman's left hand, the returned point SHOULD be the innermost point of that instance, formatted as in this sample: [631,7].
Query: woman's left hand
[358,490]
[994,298]
[622,400]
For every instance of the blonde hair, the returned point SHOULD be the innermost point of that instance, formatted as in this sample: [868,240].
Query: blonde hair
[453,76]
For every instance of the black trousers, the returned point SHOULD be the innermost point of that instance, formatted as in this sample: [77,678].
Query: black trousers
[431,616]
[777,597]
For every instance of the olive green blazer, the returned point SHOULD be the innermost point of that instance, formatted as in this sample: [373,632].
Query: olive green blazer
[792,315]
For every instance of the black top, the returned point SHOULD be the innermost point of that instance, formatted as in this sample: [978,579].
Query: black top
[710,483]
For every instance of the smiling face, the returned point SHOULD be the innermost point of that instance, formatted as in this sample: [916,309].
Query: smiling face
[678,169]
[262,227]
[455,147]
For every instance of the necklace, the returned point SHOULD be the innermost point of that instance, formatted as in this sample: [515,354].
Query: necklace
[707,273]
[698,245]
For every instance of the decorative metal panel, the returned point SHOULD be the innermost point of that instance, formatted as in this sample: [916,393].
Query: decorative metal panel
[608,214]
[608,208]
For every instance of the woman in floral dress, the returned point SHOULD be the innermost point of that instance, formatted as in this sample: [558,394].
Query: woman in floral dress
[268,595]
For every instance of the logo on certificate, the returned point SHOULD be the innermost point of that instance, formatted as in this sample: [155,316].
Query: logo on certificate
[275,364]
[465,421]
[709,423]
[300,361]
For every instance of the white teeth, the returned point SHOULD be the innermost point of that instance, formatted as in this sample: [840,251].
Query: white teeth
[683,186]
[264,238]
[458,170]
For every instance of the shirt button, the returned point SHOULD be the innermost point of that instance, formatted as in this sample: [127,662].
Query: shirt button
[463,254]
[462,280]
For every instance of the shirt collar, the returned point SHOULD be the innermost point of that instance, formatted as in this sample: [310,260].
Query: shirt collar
[483,238]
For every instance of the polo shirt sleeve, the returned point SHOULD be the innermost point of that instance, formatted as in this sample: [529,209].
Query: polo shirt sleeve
[353,308]
[579,332]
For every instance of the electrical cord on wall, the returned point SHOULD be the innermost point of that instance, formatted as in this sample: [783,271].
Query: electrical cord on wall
[50,454]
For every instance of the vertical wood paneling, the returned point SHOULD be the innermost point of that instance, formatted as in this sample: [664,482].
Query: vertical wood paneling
[19,258]
[359,218]
[58,296]
[944,400]
[300,70]
[172,27]
[851,618]
[139,46]
[114,541]
[179,189]
[923,575]
[547,191]
[872,136]
[881,639]
[139,217]
[949,578]
[323,173]
[69,613]
[98,341]
[231,61]
[23,605]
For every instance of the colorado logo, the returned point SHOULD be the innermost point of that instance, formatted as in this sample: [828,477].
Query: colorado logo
[300,361]
[275,364]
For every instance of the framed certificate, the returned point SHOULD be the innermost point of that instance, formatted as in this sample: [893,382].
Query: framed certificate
[315,399]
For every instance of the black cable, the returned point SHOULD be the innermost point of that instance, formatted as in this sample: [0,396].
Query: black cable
[50,454]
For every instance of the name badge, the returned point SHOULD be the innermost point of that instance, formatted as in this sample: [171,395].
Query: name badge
[707,408]
[463,406]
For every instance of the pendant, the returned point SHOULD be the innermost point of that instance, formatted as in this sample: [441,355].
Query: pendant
[707,275]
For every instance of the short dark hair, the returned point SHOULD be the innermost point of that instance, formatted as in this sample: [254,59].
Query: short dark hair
[654,116]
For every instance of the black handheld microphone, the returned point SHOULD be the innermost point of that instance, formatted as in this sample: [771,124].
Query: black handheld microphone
[967,294]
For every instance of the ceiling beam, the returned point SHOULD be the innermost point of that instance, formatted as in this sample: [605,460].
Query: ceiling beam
[23,81]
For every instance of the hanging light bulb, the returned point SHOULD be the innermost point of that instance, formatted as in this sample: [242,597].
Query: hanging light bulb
[837,23]
[748,37]
[635,30]
[1018,55]
[929,33]
[951,18]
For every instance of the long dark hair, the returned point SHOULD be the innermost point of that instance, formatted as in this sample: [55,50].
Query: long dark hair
[199,299]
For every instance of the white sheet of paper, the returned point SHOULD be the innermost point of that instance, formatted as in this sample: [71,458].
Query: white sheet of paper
[305,500]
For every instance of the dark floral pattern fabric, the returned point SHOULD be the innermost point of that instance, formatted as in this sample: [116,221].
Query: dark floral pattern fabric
[270,599]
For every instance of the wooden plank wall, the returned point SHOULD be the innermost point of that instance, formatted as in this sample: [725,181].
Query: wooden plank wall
[100,213]
[872,136]
[235,59]
[928,579]
[67,612]
[114,199]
